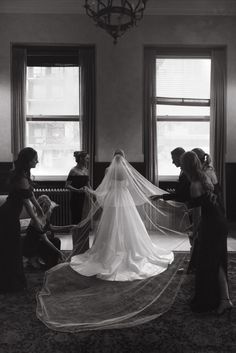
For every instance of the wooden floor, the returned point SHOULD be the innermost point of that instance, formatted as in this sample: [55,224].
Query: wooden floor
[169,242]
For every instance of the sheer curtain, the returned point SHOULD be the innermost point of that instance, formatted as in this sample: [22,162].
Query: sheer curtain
[150,135]
[218,113]
[18,75]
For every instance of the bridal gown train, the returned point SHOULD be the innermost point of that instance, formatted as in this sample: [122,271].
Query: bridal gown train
[122,250]
[122,280]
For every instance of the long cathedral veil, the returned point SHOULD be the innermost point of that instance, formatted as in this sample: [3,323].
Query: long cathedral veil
[165,217]
[70,301]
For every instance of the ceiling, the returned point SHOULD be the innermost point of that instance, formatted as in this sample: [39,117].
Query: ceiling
[154,7]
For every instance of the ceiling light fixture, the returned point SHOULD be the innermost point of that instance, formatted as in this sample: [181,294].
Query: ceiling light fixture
[115,16]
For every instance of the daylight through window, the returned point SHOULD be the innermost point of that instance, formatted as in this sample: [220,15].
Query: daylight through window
[53,125]
[182,107]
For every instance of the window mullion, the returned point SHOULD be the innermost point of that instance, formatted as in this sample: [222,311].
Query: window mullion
[182,101]
[53,118]
[182,118]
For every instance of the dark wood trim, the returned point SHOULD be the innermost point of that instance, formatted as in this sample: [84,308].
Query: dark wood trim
[5,166]
[99,171]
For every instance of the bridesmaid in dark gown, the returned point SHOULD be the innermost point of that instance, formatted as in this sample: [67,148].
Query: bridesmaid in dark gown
[20,194]
[211,279]
[208,169]
[78,178]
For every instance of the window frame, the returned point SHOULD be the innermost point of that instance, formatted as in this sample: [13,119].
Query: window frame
[23,55]
[53,60]
[194,102]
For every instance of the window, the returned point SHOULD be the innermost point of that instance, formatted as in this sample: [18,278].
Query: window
[182,107]
[53,105]
[53,125]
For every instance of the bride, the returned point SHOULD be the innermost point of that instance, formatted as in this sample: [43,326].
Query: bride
[123,279]
[123,250]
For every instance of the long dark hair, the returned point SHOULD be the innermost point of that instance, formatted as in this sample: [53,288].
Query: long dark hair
[204,157]
[192,167]
[22,164]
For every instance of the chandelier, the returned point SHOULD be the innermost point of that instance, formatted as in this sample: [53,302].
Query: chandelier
[115,16]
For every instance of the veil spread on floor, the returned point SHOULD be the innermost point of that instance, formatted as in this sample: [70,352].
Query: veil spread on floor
[125,278]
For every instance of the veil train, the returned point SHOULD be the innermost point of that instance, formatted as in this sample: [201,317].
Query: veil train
[124,279]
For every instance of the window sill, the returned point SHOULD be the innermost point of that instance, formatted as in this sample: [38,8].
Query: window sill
[50,177]
[168,178]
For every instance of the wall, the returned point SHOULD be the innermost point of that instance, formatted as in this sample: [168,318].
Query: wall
[119,70]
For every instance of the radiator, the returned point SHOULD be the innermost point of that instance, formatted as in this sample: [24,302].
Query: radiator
[61,215]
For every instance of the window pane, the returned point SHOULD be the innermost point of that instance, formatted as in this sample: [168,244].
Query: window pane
[183,78]
[55,143]
[52,91]
[180,110]
[170,135]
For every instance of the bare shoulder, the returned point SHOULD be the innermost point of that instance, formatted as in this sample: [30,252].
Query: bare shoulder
[196,189]
[75,171]
[72,172]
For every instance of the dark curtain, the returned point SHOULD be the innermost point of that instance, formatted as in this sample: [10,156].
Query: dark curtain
[218,114]
[18,80]
[87,62]
[150,135]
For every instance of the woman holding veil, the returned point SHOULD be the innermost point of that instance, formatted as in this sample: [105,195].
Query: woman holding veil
[117,282]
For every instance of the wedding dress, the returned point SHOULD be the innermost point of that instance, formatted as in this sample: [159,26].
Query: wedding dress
[118,282]
[123,250]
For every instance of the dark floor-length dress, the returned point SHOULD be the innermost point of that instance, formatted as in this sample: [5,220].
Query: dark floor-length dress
[12,276]
[77,207]
[211,255]
[194,243]
[77,199]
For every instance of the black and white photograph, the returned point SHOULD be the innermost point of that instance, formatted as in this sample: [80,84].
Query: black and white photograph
[117,176]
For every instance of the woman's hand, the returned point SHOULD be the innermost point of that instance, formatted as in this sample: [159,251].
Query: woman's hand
[89,191]
[86,189]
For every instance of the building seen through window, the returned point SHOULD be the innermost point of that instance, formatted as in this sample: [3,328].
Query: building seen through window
[53,124]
